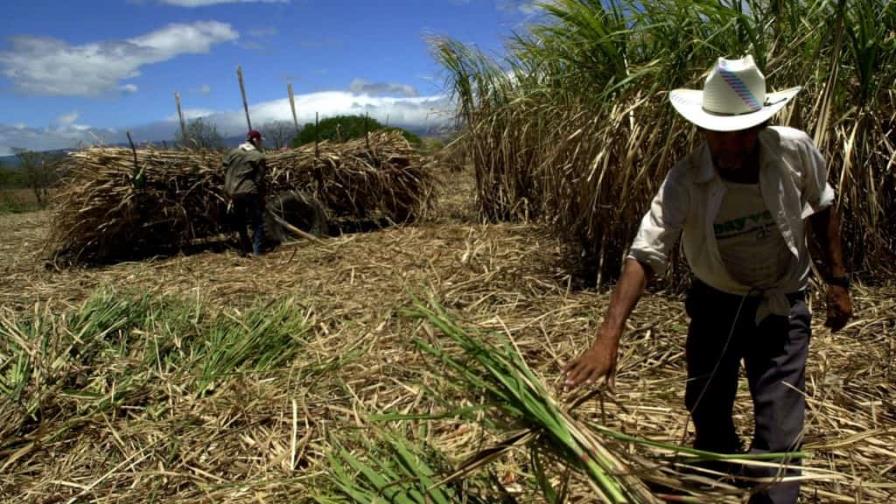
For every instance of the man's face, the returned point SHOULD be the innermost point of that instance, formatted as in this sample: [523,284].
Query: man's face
[732,150]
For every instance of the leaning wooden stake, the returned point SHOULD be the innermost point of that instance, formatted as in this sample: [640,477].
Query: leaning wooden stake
[292,105]
[294,230]
[316,135]
[180,115]
[239,75]
[367,129]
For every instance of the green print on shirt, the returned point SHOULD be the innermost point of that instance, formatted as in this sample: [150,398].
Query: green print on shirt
[746,224]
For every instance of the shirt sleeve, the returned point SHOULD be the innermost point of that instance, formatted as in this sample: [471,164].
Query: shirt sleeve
[818,194]
[662,224]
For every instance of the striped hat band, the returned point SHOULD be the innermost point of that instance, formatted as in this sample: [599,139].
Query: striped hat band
[734,87]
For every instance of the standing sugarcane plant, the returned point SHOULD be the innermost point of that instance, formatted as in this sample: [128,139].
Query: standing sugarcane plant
[573,126]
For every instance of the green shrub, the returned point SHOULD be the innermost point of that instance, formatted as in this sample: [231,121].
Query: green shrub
[346,127]
[11,178]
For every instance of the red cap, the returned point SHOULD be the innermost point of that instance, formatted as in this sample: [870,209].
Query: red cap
[254,135]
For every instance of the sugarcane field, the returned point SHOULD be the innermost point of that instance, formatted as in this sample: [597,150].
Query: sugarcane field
[595,251]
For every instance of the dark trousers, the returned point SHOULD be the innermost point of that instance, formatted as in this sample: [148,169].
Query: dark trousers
[248,211]
[774,355]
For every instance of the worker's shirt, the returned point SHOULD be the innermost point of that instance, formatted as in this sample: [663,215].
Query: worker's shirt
[792,186]
[244,169]
[752,249]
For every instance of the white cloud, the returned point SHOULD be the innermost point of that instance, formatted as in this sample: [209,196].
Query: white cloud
[204,3]
[269,31]
[205,89]
[67,119]
[191,113]
[362,86]
[417,113]
[413,112]
[47,66]
[54,137]
[525,7]
[128,88]
[256,38]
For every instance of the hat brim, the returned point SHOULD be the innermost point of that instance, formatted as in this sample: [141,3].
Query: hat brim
[689,103]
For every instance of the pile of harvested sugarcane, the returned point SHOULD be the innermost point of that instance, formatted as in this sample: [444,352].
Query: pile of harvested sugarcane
[119,203]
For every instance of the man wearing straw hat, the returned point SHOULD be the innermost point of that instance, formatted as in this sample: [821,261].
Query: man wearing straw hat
[244,171]
[740,203]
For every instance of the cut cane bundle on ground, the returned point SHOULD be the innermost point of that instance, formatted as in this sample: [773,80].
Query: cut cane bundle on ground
[120,204]
[616,472]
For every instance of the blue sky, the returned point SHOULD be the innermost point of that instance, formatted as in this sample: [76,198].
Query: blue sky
[79,72]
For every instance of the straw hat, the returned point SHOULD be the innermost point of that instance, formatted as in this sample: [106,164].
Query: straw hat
[733,97]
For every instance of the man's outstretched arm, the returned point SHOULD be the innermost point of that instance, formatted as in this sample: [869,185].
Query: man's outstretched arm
[600,359]
[826,231]
[660,229]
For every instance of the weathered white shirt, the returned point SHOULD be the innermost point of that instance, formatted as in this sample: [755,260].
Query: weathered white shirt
[793,184]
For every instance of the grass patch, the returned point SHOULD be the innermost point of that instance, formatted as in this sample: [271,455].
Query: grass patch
[18,201]
[115,350]
[257,340]
[394,469]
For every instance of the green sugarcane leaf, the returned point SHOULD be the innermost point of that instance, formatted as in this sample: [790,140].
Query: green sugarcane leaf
[547,490]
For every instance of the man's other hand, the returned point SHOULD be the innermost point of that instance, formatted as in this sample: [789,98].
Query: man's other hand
[839,307]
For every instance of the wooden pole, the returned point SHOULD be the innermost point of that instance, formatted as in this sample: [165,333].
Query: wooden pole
[367,129]
[316,134]
[294,230]
[292,105]
[239,75]
[180,115]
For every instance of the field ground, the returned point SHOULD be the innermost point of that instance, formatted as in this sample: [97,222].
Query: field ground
[263,437]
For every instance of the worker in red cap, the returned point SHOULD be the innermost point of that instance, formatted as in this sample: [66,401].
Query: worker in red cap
[244,185]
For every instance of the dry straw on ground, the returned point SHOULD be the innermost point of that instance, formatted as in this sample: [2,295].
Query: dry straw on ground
[131,431]
[118,204]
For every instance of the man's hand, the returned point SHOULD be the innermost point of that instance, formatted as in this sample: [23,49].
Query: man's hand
[839,307]
[600,359]
[597,361]
[826,234]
